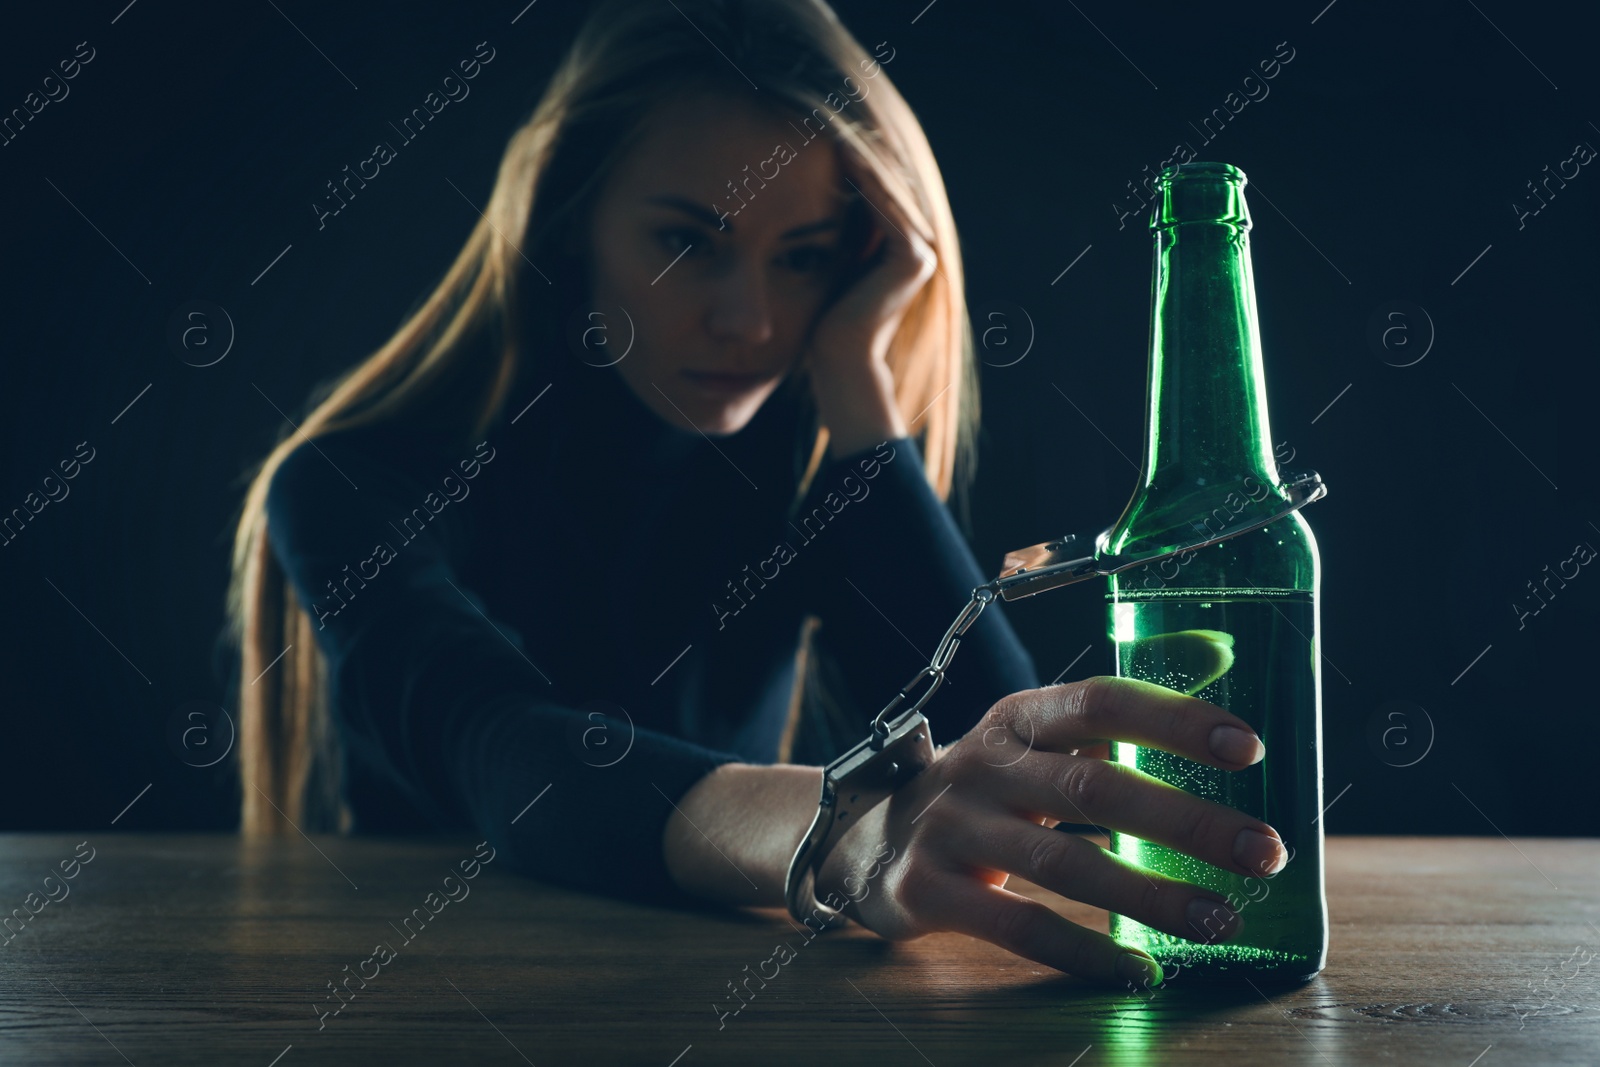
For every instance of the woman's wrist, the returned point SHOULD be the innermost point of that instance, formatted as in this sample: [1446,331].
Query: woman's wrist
[857,407]
[735,831]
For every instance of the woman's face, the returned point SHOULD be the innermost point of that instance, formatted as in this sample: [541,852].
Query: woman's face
[721,303]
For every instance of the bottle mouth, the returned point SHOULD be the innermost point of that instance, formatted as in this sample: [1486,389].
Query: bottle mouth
[1200,192]
[1185,171]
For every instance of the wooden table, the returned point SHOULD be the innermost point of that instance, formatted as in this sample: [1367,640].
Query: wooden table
[202,949]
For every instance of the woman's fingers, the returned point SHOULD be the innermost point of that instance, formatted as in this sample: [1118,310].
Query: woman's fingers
[990,823]
[1027,928]
[909,260]
[1061,718]
[1083,790]
[1080,869]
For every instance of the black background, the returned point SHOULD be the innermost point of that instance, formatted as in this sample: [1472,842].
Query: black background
[1392,148]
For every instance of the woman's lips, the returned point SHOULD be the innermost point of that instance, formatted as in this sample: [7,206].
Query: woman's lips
[718,382]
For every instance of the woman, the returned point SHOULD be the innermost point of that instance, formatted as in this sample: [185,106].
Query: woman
[707,347]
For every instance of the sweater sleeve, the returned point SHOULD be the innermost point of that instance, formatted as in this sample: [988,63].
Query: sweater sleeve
[889,571]
[441,702]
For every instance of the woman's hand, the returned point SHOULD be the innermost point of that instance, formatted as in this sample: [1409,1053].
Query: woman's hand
[849,344]
[980,813]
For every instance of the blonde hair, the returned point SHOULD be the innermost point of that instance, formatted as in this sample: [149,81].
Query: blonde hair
[625,60]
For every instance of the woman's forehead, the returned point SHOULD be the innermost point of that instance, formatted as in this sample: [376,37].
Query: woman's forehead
[709,148]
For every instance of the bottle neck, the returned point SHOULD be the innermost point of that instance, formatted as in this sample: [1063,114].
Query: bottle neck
[1206,422]
[1208,448]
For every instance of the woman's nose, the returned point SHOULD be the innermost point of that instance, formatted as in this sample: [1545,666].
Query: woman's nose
[740,310]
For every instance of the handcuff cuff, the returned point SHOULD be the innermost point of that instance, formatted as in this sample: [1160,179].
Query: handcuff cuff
[900,748]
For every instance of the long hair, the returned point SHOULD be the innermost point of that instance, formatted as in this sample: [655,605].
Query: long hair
[452,364]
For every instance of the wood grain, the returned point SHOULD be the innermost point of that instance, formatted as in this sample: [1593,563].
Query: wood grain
[204,949]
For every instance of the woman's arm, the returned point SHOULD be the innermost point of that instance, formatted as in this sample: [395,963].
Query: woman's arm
[848,351]
[437,699]
[734,833]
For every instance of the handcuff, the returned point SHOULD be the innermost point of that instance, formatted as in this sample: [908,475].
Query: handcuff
[900,748]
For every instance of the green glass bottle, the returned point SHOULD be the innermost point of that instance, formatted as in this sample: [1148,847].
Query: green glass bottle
[1235,623]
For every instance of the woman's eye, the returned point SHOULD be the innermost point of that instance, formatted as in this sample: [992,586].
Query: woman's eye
[677,240]
[809,258]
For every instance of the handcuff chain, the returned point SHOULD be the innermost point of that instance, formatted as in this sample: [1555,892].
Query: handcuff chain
[982,596]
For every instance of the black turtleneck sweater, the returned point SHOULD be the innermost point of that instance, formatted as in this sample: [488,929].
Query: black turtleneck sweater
[551,636]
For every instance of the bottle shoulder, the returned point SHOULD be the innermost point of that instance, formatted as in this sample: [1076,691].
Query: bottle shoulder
[1277,559]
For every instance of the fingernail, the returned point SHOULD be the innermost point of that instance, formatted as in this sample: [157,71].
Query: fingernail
[1236,745]
[1259,852]
[1213,920]
[1140,971]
